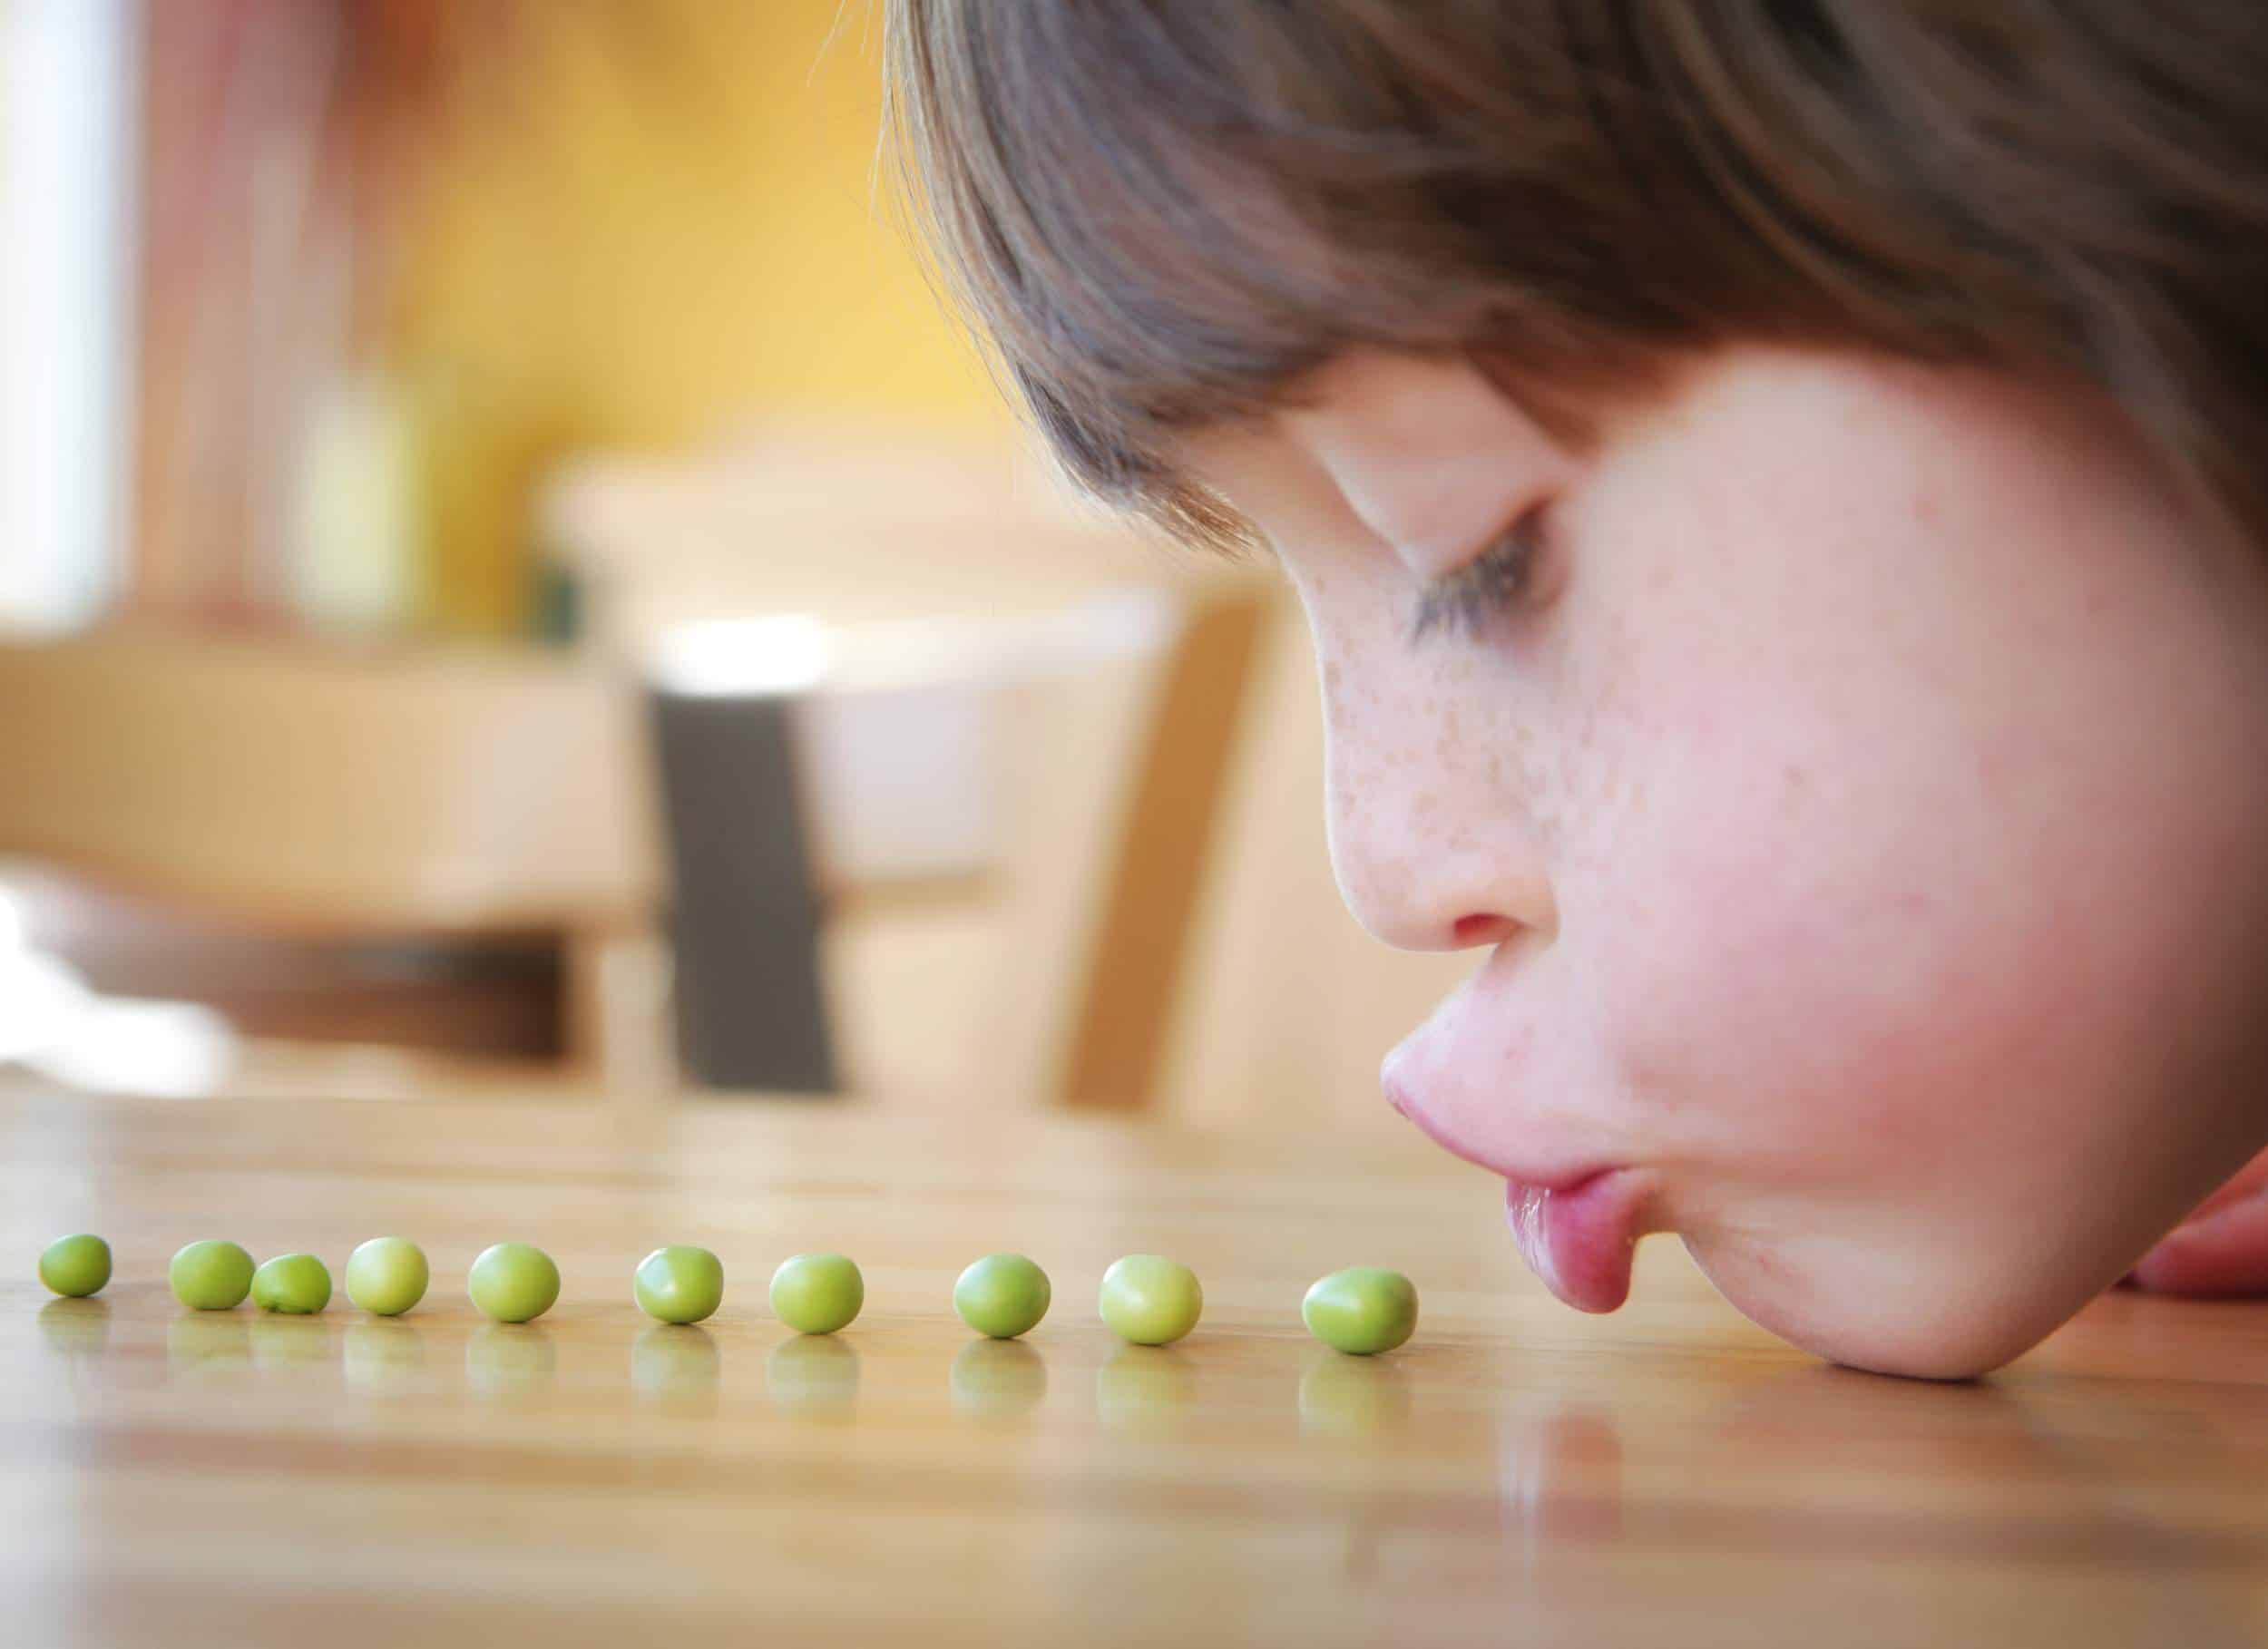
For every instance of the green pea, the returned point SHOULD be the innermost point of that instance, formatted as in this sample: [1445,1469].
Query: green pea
[211,1275]
[387,1276]
[1362,1309]
[297,1285]
[1002,1296]
[1150,1300]
[76,1266]
[679,1285]
[514,1282]
[817,1293]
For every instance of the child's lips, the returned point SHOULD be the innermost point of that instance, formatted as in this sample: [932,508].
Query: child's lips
[1578,1232]
[1575,1218]
[1420,1080]
[1580,1239]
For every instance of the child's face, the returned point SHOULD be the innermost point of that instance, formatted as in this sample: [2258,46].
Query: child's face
[1863,811]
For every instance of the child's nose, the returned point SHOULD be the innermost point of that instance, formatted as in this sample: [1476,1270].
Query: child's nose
[1412,909]
[1420,878]
[1481,928]
[1430,790]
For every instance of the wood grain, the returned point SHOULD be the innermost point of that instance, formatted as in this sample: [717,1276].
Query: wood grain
[1518,1474]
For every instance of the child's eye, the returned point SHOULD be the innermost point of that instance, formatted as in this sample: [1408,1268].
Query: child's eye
[1492,583]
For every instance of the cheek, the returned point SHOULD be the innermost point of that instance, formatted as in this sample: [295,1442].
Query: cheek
[1822,916]
[1848,930]
[1782,1000]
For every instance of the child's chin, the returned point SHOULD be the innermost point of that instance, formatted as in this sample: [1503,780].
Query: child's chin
[1917,1330]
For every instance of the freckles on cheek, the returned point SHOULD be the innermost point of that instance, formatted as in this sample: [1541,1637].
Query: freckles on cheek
[1382,807]
[1431,771]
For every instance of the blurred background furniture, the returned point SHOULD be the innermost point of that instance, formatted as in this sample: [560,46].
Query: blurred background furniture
[1004,817]
[397,795]
[400,324]
[1023,910]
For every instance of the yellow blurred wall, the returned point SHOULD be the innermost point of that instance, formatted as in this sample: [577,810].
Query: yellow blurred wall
[646,221]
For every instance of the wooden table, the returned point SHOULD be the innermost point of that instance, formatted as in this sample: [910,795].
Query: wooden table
[1518,1474]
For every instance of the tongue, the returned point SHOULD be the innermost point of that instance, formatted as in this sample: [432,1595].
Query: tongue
[1577,1240]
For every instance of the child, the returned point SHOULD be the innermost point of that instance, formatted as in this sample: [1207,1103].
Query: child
[1780,489]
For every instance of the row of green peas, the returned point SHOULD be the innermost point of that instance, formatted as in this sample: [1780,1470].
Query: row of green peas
[1146,1298]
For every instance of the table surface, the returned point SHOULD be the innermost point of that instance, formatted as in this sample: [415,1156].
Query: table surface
[1518,1473]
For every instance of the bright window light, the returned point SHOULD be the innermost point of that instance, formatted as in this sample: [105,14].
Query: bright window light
[741,657]
[67,75]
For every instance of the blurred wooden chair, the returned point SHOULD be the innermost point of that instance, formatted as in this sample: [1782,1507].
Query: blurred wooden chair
[411,794]
[1015,774]
[1006,818]
[850,525]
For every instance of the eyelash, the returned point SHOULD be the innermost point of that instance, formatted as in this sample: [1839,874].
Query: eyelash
[1490,585]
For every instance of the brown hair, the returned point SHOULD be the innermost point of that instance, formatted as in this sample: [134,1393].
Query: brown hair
[1160,213]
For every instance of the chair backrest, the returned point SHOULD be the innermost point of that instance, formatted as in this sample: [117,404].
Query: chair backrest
[1005,821]
[1014,775]
[1095,796]
[398,792]
[851,528]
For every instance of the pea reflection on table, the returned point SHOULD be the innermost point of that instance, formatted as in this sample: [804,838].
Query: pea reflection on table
[384,1356]
[295,1348]
[1353,1397]
[205,1347]
[997,1379]
[510,1360]
[676,1364]
[1146,1390]
[813,1376]
[73,1327]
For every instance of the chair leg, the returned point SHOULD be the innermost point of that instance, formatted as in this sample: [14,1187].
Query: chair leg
[618,1014]
[1136,957]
